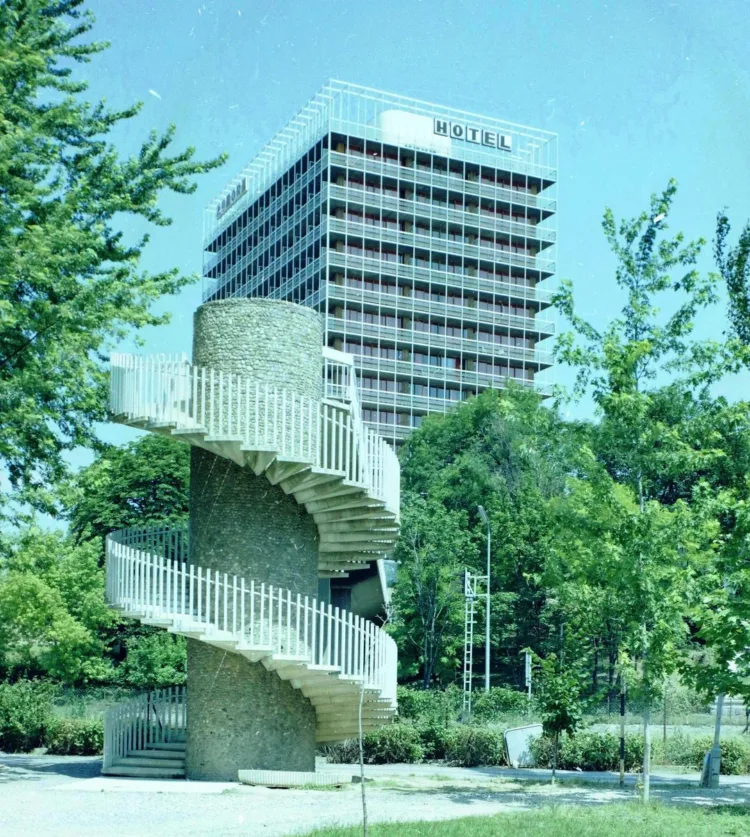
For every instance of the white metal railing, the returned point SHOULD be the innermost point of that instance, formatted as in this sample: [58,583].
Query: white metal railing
[154,718]
[327,434]
[340,379]
[148,577]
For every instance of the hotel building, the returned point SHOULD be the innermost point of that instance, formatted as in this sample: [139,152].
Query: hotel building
[424,234]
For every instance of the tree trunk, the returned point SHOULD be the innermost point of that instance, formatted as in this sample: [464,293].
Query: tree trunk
[428,664]
[554,756]
[365,826]
[595,671]
[715,763]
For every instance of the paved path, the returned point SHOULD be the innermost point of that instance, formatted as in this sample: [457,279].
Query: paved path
[66,797]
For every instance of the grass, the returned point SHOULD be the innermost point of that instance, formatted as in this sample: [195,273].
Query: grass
[607,821]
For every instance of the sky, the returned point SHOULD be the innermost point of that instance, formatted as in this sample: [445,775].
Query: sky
[637,91]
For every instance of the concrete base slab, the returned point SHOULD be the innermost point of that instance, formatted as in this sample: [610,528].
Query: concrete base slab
[293,778]
[115,784]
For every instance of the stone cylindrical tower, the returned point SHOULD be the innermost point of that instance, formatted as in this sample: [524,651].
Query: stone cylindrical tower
[241,716]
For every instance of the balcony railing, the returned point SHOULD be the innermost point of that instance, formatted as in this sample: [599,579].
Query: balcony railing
[434,244]
[448,181]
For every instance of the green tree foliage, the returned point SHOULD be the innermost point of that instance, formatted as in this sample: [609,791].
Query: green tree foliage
[145,481]
[155,661]
[620,367]
[720,613]
[52,609]
[428,601]
[141,483]
[70,284]
[559,701]
[734,266]
[510,454]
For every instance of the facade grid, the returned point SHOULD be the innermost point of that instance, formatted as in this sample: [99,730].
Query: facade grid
[425,235]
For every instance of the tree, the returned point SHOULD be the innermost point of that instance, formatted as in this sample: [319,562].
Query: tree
[558,697]
[155,661]
[70,284]
[617,366]
[52,608]
[145,481]
[509,453]
[734,266]
[720,613]
[428,601]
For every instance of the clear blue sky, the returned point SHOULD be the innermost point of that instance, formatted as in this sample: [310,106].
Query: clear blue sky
[638,92]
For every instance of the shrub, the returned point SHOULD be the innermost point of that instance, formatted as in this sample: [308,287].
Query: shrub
[735,755]
[492,705]
[471,746]
[25,714]
[434,736]
[393,744]
[76,737]
[342,752]
[589,751]
[418,704]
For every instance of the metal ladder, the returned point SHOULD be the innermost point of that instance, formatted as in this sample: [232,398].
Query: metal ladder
[470,596]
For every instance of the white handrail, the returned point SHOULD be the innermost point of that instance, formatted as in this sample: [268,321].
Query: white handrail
[148,576]
[137,724]
[327,434]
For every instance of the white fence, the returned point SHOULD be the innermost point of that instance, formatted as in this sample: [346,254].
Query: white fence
[156,718]
[328,435]
[148,577]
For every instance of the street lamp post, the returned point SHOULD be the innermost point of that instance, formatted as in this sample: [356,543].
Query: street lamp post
[483,515]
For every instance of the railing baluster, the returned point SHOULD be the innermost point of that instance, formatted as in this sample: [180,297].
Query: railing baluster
[242,608]
[335,625]
[217,584]
[329,637]
[281,622]
[296,625]
[309,653]
[226,592]
[234,605]
[252,611]
[262,611]
[200,596]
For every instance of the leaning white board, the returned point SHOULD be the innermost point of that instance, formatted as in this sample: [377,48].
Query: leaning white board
[517,742]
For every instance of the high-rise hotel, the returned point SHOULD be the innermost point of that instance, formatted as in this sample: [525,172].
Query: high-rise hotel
[424,234]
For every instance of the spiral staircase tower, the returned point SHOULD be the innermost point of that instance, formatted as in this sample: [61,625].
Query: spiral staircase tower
[287,487]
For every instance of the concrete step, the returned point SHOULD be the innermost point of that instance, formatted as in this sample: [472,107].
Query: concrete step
[174,763]
[258,460]
[159,753]
[173,746]
[146,772]
[307,479]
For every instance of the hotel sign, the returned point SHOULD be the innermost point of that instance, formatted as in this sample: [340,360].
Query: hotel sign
[473,134]
[234,195]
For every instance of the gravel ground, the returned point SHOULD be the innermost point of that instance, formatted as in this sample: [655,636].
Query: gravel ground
[42,795]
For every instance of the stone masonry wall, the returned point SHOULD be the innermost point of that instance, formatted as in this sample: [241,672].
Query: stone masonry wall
[240,715]
[242,525]
[278,343]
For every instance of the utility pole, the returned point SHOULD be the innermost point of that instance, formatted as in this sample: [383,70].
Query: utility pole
[527,672]
[483,515]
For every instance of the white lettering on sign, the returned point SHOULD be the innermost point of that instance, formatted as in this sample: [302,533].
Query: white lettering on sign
[471,133]
[234,195]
